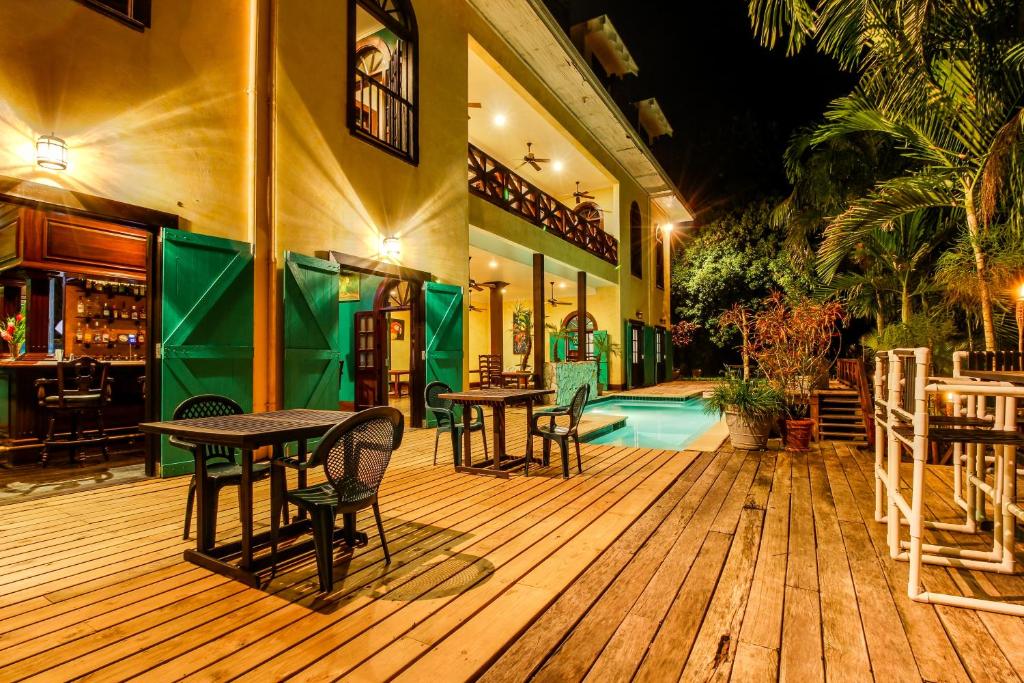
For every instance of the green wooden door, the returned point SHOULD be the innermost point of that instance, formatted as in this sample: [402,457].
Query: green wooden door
[312,354]
[627,355]
[650,357]
[602,370]
[206,327]
[443,304]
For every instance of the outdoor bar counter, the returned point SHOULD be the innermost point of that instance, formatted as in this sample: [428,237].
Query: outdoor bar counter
[23,421]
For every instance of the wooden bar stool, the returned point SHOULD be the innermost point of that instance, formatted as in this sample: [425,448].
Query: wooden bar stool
[83,386]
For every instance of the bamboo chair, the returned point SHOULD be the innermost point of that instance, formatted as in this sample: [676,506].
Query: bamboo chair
[910,425]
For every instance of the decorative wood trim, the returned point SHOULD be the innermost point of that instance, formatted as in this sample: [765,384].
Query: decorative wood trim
[371,266]
[498,184]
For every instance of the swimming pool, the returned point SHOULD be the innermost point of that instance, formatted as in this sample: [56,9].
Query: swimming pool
[653,424]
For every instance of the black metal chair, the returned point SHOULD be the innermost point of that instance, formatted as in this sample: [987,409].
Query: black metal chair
[560,435]
[355,455]
[222,465]
[82,386]
[449,419]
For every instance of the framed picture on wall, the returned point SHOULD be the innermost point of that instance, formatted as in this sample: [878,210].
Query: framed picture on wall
[348,286]
[520,342]
[397,327]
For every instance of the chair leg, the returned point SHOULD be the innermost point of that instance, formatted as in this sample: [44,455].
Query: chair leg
[73,450]
[276,512]
[190,501]
[102,434]
[51,425]
[579,460]
[380,530]
[323,536]
[437,440]
[547,452]
[563,448]
[210,510]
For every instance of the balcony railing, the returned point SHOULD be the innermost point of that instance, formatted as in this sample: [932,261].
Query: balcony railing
[498,184]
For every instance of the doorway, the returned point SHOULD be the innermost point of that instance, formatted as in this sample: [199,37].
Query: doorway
[636,355]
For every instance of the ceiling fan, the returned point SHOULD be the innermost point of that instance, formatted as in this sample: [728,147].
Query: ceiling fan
[532,159]
[581,194]
[472,308]
[473,105]
[557,302]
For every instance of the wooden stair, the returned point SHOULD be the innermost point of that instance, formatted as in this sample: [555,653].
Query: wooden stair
[840,417]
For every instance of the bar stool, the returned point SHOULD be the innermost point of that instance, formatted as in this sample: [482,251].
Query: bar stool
[83,386]
[909,426]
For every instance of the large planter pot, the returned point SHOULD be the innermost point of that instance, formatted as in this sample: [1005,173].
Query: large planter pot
[745,433]
[798,434]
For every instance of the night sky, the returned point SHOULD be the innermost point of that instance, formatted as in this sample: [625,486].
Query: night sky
[732,104]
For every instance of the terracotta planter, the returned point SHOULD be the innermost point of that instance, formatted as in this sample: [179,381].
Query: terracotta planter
[745,433]
[798,434]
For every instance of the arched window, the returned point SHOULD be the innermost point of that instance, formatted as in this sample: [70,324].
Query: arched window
[636,241]
[383,75]
[571,324]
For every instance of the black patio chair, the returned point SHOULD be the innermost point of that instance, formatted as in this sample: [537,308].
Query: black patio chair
[355,455]
[449,419]
[222,465]
[561,435]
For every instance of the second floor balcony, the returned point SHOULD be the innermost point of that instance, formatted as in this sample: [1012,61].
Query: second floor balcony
[500,185]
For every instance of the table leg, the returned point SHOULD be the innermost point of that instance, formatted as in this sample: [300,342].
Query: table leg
[467,453]
[203,537]
[245,503]
[499,434]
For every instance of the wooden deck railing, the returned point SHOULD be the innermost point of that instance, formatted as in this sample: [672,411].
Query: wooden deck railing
[498,184]
[851,372]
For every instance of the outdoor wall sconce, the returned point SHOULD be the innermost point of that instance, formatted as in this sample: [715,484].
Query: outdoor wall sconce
[52,152]
[391,247]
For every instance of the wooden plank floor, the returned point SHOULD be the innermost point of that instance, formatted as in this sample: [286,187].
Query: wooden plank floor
[93,585]
[763,567]
[653,566]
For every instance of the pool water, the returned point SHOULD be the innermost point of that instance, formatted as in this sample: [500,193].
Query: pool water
[653,424]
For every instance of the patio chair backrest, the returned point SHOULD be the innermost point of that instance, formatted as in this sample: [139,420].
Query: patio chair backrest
[579,402]
[355,453]
[431,399]
[490,370]
[209,405]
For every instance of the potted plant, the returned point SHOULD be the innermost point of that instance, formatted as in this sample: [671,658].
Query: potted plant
[751,407]
[604,349]
[792,344]
[560,335]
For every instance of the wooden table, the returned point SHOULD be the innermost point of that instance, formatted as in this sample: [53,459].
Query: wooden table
[247,433]
[1012,376]
[498,400]
[521,377]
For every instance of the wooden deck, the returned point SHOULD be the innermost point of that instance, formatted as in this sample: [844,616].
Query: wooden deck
[653,565]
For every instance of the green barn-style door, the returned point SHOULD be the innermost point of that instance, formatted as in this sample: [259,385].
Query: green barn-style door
[443,322]
[206,327]
[650,357]
[312,355]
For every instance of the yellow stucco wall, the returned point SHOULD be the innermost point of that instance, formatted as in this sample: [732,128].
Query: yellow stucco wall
[157,118]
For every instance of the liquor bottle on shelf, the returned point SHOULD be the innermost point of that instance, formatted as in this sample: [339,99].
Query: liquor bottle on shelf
[142,337]
[79,335]
[142,313]
[81,306]
[135,313]
[124,311]
[106,337]
[106,309]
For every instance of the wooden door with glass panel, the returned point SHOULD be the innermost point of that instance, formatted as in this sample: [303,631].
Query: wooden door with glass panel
[369,370]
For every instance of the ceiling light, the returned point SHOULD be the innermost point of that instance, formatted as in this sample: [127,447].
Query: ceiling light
[557,166]
[504,291]
[500,120]
[561,285]
[391,247]
[52,152]
[668,227]
[493,264]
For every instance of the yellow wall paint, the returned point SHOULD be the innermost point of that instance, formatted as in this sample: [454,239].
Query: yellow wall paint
[157,118]
[400,347]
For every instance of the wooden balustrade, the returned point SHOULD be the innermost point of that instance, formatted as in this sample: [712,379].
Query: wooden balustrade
[498,184]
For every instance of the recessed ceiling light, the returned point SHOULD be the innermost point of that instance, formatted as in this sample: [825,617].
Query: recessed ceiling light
[561,285]
[500,120]
[557,166]
[493,264]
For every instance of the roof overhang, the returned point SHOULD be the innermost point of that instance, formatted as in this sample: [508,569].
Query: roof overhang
[534,35]
[598,37]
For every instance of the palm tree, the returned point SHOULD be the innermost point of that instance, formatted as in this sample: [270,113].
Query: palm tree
[944,82]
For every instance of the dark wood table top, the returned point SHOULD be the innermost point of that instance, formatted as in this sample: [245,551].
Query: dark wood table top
[493,396]
[251,430]
[1014,376]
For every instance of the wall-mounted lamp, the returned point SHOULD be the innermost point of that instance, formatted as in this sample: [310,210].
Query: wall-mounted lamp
[52,152]
[667,228]
[391,247]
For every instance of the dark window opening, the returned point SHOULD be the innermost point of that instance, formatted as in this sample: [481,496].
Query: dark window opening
[383,75]
[135,13]
[636,242]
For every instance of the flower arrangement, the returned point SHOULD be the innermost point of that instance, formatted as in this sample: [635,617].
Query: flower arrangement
[13,333]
